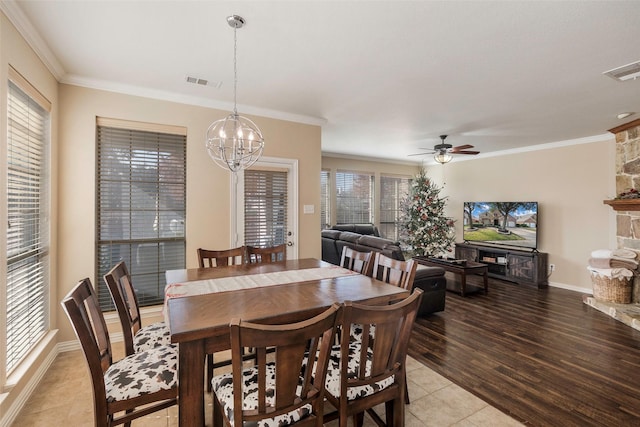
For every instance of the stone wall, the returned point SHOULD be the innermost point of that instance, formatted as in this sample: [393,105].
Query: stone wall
[628,177]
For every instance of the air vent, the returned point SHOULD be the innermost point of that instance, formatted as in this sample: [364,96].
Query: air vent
[626,72]
[202,82]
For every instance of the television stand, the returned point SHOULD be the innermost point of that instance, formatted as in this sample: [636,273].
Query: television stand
[511,264]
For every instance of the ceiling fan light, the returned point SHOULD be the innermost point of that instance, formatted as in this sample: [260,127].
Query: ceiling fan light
[442,158]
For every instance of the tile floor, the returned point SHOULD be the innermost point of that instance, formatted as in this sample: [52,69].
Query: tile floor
[64,398]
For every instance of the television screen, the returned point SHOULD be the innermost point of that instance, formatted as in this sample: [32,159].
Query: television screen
[501,223]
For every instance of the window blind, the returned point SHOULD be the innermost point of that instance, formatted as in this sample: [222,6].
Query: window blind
[354,198]
[392,192]
[265,207]
[141,198]
[27,315]
[325,192]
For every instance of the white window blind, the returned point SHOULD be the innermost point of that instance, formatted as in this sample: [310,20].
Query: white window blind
[265,207]
[28,137]
[141,197]
[325,205]
[392,191]
[354,198]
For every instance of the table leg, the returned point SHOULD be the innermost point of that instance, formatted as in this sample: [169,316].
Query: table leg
[486,282]
[191,380]
[463,283]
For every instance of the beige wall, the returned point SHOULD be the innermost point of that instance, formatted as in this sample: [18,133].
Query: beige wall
[569,183]
[14,51]
[335,163]
[208,186]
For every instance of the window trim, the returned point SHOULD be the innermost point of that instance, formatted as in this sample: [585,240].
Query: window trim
[134,126]
[10,377]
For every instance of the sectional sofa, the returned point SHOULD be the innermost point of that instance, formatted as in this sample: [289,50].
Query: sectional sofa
[365,238]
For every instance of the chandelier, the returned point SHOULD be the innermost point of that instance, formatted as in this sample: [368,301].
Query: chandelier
[235,142]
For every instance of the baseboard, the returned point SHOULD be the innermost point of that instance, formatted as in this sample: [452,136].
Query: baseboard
[12,412]
[588,290]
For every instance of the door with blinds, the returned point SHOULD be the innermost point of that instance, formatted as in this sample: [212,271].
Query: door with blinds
[264,208]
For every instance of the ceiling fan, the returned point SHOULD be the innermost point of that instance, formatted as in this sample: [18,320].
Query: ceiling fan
[443,152]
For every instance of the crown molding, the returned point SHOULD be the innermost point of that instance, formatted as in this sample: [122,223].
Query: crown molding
[145,92]
[19,20]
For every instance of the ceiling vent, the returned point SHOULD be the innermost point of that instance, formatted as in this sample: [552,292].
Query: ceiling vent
[202,82]
[626,72]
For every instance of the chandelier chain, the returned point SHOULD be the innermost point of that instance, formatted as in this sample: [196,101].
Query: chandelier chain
[235,69]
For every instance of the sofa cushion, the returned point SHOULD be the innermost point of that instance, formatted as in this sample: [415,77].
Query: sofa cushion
[331,234]
[347,236]
[374,242]
[368,229]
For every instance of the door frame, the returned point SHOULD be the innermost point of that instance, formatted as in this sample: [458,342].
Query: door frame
[237,201]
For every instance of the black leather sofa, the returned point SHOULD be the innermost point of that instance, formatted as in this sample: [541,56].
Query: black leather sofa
[430,279]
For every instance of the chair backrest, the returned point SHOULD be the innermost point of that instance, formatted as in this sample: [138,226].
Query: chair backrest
[210,258]
[124,298]
[262,255]
[297,381]
[83,309]
[383,353]
[394,272]
[360,262]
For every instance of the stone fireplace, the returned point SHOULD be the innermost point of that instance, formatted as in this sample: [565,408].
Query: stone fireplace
[628,178]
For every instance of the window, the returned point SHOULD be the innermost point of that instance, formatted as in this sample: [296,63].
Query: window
[141,198]
[354,198]
[27,202]
[325,205]
[265,207]
[392,191]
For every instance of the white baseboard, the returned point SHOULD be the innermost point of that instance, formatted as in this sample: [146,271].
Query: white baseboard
[571,288]
[11,414]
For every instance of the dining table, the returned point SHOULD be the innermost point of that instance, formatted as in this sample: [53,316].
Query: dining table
[200,303]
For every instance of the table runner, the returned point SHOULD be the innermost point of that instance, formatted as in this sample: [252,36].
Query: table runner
[199,287]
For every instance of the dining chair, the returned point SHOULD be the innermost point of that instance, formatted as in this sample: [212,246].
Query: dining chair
[394,271]
[257,255]
[284,388]
[136,337]
[218,258]
[132,387]
[357,261]
[363,374]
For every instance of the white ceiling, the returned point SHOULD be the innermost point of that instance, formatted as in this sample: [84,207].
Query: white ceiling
[383,78]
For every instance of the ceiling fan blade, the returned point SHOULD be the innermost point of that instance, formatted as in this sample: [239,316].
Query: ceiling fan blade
[461,147]
[419,154]
[465,152]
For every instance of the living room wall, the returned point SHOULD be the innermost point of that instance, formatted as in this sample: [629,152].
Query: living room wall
[569,182]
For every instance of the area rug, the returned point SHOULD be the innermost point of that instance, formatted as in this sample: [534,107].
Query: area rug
[629,314]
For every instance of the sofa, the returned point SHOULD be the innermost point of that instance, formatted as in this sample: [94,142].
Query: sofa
[430,279]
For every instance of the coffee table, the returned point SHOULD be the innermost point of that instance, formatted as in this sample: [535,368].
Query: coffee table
[460,267]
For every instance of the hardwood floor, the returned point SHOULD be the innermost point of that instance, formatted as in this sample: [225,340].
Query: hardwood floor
[539,355]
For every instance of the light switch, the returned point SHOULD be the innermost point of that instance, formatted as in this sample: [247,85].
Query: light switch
[309,209]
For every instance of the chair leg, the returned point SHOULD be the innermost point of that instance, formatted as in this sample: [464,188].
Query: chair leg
[398,412]
[358,419]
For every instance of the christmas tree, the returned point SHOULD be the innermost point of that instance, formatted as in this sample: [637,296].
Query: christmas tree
[424,227]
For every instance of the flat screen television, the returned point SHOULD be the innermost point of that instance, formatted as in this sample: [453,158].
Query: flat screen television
[501,223]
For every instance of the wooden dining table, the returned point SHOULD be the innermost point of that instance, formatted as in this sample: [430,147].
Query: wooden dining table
[200,323]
